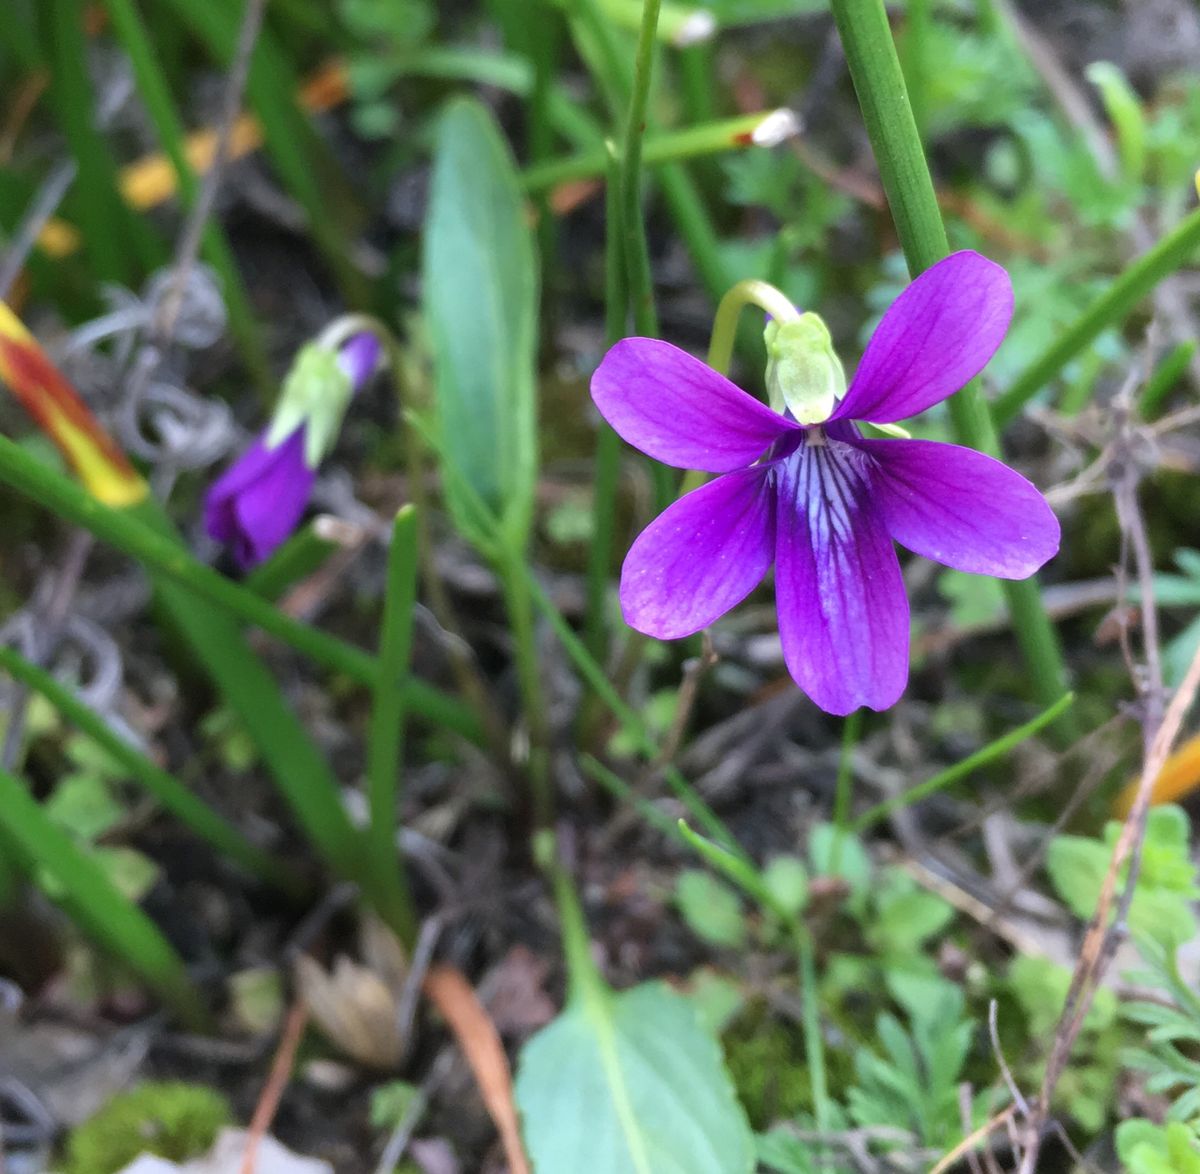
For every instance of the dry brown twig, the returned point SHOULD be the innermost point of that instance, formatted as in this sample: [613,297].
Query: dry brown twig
[281,1070]
[1161,726]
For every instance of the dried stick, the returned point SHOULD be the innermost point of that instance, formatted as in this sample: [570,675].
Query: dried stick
[281,1069]
[1160,732]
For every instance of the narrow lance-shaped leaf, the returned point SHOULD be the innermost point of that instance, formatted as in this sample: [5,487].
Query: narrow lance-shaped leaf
[480,288]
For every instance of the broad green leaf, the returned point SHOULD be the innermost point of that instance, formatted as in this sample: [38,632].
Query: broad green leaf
[630,1084]
[480,287]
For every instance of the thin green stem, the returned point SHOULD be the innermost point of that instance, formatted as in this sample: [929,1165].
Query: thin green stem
[1166,375]
[670,146]
[158,552]
[960,770]
[583,976]
[518,584]
[747,877]
[296,559]
[1110,308]
[630,720]
[883,99]
[843,793]
[385,740]
[814,1039]
[608,444]
[78,883]
[169,791]
[749,292]
[637,253]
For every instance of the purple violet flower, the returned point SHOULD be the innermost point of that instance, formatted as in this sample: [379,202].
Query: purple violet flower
[259,500]
[820,500]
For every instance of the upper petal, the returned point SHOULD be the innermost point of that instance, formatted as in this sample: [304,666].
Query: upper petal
[843,614]
[935,337]
[701,556]
[962,508]
[680,411]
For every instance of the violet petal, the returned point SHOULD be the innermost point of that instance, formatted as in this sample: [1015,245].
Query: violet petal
[962,508]
[681,412]
[843,613]
[936,337]
[701,556]
[260,499]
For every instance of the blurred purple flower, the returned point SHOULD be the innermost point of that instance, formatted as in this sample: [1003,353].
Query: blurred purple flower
[259,500]
[821,501]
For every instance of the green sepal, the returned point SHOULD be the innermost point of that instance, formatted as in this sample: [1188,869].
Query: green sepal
[315,395]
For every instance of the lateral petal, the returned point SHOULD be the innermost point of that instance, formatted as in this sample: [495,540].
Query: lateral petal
[701,556]
[680,411]
[962,508]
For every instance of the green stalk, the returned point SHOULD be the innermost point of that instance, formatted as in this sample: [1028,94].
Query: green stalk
[79,884]
[156,94]
[1135,282]
[385,742]
[960,770]
[130,533]
[631,721]
[843,792]
[747,877]
[169,791]
[1166,375]
[883,99]
[637,252]
[608,443]
[295,560]
[517,582]
[670,146]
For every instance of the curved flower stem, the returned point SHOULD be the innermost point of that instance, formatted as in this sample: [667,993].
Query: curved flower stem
[883,99]
[750,292]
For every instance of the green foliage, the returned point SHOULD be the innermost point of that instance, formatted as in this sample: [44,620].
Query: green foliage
[1085,1089]
[1166,886]
[911,1081]
[630,1084]
[1174,1032]
[711,908]
[173,1120]
[480,288]
[1146,1148]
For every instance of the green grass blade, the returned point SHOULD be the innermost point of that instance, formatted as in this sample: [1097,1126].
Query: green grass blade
[81,886]
[883,100]
[169,791]
[159,552]
[385,741]
[1135,282]
[302,554]
[118,244]
[960,770]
